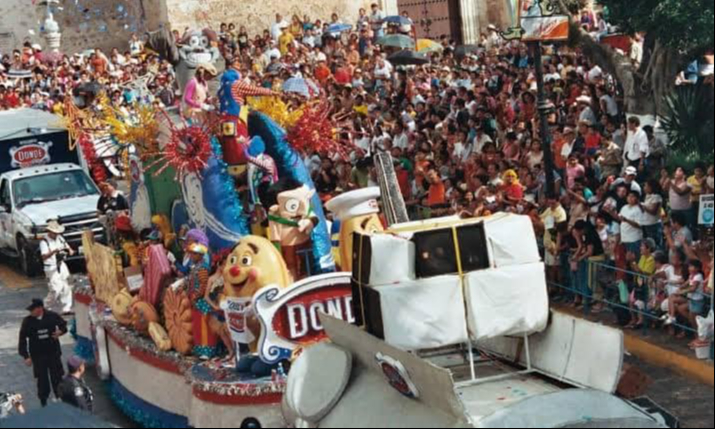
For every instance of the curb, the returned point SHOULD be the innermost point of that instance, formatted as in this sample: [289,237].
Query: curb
[652,354]
[687,366]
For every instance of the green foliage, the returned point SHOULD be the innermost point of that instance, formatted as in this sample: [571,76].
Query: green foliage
[686,26]
[689,122]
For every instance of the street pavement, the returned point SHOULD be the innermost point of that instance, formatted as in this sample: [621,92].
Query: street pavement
[15,295]
[690,401]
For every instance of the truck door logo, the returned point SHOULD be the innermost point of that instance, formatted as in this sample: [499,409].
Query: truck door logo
[30,155]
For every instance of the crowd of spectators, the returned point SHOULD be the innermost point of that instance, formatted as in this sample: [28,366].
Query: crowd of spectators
[464,131]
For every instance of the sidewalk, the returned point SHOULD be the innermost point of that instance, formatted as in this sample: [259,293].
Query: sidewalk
[14,375]
[655,347]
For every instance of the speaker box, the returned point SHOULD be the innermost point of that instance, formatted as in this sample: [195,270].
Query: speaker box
[367,309]
[437,255]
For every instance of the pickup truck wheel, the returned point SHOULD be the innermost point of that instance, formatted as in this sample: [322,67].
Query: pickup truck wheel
[29,259]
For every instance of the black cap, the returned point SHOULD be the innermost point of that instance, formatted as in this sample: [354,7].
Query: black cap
[36,303]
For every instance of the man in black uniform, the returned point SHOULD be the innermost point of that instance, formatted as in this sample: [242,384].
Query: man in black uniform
[111,199]
[41,331]
[73,390]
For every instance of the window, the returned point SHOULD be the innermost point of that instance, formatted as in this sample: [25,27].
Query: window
[5,195]
[52,187]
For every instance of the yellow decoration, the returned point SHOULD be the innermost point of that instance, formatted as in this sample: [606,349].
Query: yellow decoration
[160,337]
[277,110]
[138,127]
[121,306]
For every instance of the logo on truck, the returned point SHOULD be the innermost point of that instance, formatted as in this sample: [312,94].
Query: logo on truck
[30,155]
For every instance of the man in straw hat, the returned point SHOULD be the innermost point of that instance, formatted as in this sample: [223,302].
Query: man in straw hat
[54,250]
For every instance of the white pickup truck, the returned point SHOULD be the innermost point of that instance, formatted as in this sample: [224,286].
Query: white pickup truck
[29,197]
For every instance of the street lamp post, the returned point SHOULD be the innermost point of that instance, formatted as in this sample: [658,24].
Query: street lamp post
[545,109]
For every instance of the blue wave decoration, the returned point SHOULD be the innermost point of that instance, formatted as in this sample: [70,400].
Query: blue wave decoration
[291,165]
[143,413]
[212,205]
[84,348]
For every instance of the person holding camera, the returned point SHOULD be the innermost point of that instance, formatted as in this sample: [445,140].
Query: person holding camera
[55,250]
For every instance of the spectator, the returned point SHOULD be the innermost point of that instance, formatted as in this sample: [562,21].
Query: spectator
[680,192]
[642,268]
[652,217]
[678,234]
[631,217]
[637,146]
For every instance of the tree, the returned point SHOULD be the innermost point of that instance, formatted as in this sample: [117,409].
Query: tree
[675,31]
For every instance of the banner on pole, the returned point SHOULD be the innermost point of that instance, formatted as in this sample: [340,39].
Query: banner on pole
[707,213]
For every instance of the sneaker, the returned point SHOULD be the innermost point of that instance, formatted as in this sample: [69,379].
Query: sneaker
[670,321]
[665,317]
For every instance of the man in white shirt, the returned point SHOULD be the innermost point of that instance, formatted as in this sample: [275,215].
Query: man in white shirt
[608,103]
[309,39]
[481,140]
[54,250]
[401,138]
[377,21]
[637,145]
[278,26]
[383,70]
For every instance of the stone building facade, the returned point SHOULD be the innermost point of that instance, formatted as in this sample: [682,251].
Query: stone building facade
[110,23]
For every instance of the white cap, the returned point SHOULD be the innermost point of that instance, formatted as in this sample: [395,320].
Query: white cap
[631,171]
[362,202]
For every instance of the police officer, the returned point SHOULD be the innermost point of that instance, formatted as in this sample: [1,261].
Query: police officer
[73,390]
[41,332]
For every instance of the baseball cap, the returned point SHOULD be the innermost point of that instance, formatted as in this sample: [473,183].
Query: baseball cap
[75,362]
[36,303]
[631,171]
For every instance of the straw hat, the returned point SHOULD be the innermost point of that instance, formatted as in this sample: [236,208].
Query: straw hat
[208,68]
[54,227]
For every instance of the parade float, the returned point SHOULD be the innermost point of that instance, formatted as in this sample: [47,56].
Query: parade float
[201,299]
[454,330]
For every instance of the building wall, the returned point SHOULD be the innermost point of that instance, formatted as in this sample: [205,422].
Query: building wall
[256,15]
[110,23]
[84,23]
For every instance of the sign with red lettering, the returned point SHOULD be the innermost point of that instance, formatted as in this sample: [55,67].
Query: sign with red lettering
[291,317]
[30,155]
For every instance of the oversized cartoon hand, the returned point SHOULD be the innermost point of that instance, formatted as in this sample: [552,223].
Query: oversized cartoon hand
[306,226]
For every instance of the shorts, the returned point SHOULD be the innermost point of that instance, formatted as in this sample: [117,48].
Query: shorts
[697,307]
[551,260]
[665,306]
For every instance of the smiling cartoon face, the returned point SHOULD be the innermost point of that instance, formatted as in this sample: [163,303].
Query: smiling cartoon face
[196,48]
[254,264]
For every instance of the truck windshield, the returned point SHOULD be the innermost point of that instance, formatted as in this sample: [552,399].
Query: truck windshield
[52,187]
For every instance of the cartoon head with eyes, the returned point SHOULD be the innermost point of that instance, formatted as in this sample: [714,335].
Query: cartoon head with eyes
[197,48]
[254,264]
[295,206]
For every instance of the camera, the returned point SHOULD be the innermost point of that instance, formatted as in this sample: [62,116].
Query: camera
[62,257]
